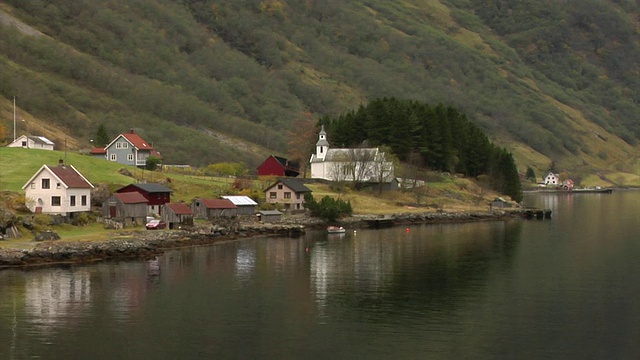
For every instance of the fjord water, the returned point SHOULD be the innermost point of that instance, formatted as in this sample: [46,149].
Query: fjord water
[563,288]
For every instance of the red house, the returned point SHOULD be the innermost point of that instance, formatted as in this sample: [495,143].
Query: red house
[156,194]
[279,166]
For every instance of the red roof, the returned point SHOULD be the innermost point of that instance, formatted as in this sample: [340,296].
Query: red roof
[180,208]
[131,198]
[137,141]
[218,204]
[98,151]
[70,176]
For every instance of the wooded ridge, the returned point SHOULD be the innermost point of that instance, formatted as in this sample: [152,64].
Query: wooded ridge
[233,80]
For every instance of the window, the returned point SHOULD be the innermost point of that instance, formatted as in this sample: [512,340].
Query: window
[130,157]
[272,195]
[72,200]
[24,144]
[287,195]
[298,196]
[33,185]
[114,157]
[46,184]
[58,186]
[84,200]
[279,186]
[55,201]
[122,145]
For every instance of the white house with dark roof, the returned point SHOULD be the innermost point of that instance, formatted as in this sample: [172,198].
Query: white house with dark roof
[32,142]
[60,189]
[340,164]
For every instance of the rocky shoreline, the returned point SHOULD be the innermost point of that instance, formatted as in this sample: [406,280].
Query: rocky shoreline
[145,244]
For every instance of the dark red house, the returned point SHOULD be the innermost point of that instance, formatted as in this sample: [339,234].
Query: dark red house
[156,194]
[279,166]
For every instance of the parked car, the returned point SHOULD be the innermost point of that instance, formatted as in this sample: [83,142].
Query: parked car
[156,224]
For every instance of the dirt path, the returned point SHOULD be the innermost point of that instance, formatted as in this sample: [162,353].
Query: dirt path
[7,19]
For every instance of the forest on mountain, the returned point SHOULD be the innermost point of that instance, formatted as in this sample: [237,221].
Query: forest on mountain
[553,82]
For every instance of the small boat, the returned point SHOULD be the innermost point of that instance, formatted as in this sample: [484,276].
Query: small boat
[336,230]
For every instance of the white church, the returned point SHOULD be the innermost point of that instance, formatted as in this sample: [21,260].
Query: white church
[349,164]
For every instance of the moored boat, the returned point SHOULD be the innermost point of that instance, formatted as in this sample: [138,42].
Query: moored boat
[336,230]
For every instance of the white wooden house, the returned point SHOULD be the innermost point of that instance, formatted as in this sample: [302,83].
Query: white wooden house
[552,179]
[58,189]
[32,142]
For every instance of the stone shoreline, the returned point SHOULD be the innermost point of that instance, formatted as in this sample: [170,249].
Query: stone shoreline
[146,244]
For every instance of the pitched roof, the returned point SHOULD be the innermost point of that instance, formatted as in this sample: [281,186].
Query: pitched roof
[151,187]
[180,208]
[240,200]
[131,198]
[293,184]
[137,141]
[98,151]
[218,204]
[71,177]
[41,140]
[368,154]
[67,174]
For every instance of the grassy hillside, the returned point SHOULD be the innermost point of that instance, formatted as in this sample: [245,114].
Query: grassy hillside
[207,81]
[18,165]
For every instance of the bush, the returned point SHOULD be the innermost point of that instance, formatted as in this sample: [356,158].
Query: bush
[328,208]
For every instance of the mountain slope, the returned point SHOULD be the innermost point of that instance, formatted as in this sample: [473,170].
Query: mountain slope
[551,81]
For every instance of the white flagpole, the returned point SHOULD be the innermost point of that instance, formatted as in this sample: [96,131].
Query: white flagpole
[14,118]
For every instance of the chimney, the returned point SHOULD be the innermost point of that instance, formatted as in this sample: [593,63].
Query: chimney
[60,162]
[131,131]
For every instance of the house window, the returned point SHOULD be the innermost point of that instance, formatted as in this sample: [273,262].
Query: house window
[279,186]
[46,184]
[273,195]
[130,157]
[287,195]
[114,157]
[122,145]
[83,200]
[298,196]
[24,144]
[33,185]
[58,186]
[55,201]
[72,200]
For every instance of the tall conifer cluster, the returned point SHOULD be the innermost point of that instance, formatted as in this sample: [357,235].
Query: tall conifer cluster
[442,136]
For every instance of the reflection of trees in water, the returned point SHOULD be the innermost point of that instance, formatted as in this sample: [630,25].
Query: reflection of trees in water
[441,271]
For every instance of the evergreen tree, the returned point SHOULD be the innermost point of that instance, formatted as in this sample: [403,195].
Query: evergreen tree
[102,138]
[530,175]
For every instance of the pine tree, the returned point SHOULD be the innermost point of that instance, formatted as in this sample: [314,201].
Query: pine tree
[102,138]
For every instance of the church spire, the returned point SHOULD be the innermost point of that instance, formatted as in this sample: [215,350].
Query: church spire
[322,145]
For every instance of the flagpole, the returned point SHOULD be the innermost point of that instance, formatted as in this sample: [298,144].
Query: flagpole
[14,118]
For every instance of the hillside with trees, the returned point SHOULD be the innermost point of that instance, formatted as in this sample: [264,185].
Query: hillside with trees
[235,80]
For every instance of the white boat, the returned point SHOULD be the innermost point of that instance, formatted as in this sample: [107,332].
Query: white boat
[336,230]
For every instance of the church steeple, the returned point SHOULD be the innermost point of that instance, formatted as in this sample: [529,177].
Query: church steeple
[322,145]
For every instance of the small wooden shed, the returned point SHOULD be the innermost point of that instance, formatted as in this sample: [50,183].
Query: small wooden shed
[246,205]
[498,203]
[129,208]
[212,208]
[270,216]
[177,214]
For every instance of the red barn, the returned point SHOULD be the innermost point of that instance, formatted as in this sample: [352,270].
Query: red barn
[156,194]
[279,166]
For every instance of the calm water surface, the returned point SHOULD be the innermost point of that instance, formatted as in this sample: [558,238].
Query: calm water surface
[566,288]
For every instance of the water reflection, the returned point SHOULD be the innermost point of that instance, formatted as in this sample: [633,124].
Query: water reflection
[418,266]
